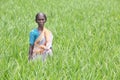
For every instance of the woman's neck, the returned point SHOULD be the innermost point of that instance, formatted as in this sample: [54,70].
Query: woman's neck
[40,28]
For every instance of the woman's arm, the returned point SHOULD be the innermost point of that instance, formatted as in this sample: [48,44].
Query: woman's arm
[30,51]
[49,38]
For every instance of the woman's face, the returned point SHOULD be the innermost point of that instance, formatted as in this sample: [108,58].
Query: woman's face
[40,20]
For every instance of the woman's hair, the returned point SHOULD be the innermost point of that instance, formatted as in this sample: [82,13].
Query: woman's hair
[42,14]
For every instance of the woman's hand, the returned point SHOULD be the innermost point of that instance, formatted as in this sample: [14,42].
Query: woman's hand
[42,46]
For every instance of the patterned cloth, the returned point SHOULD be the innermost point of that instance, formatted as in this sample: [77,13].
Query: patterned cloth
[34,34]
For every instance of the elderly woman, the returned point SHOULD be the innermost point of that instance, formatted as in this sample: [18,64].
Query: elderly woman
[40,39]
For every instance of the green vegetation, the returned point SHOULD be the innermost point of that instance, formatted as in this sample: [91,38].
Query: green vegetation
[86,39]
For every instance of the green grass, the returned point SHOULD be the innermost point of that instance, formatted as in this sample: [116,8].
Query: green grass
[86,39]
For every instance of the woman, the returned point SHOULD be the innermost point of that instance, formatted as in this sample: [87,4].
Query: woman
[40,39]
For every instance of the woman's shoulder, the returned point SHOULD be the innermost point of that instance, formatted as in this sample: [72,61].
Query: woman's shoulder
[34,30]
[47,30]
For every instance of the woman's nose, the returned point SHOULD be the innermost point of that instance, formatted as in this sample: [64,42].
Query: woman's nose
[41,20]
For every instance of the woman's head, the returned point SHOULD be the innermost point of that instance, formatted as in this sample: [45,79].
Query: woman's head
[40,19]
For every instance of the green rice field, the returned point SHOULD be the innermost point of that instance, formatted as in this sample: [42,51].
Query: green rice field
[86,44]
